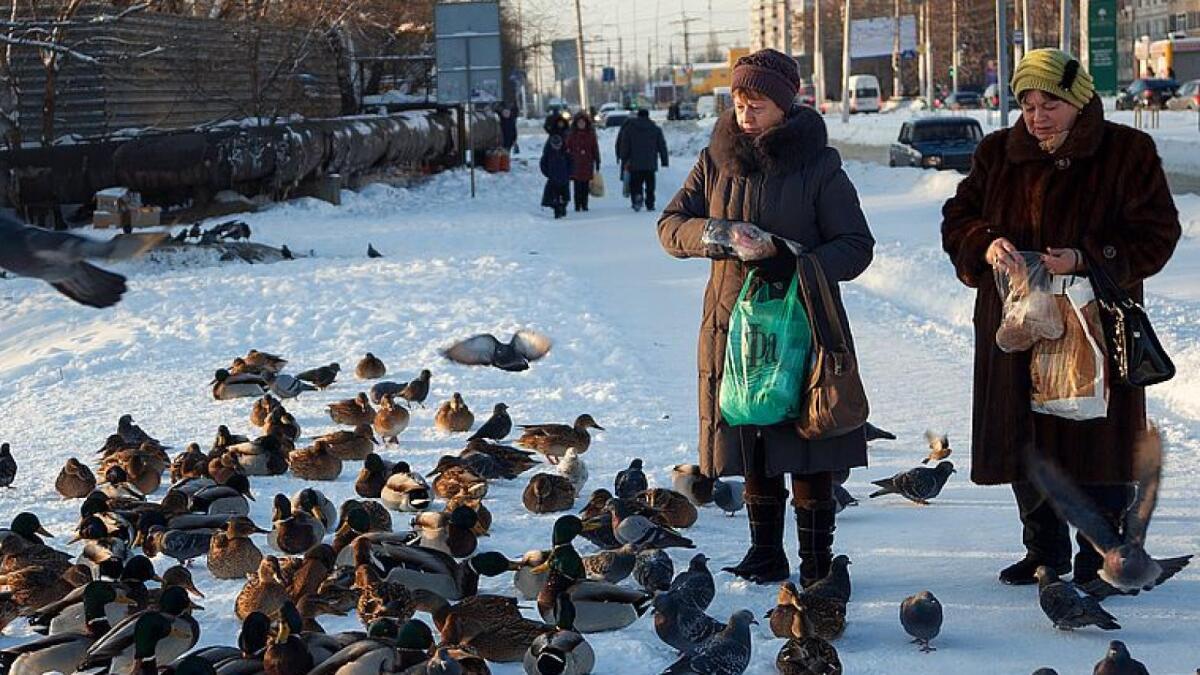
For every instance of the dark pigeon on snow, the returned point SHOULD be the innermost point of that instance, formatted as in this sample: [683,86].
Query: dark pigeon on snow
[653,570]
[321,377]
[729,495]
[485,349]
[1066,608]
[874,433]
[1119,662]
[681,624]
[372,253]
[921,616]
[497,427]
[695,584]
[726,653]
[630,482]
[916,485]
[382,390]
[843,498]
[836,584]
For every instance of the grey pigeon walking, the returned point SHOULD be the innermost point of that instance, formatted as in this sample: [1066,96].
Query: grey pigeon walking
[1119,662]
[630,482]
[921,616]
[726,653]
[484,349]
[497,427]
[695,584]
[653,570]
[681,624]
[1127,566]
[836,584]
[382,390]
[285,386]
[729,495]
[320,377]
[917,485]
[59,259]
[1066,608]
[843,498]
[629,528]
[417,390]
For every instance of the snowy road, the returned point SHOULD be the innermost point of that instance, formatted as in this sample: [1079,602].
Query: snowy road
[624,316]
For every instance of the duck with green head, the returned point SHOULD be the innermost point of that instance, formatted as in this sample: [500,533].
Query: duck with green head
[287,653]
[140,642]
[562,651]
[63,652]
[378,652]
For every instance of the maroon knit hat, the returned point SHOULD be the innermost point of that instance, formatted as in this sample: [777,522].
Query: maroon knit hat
[771,72]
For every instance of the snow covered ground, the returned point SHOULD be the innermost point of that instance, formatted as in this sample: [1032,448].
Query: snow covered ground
[624,316]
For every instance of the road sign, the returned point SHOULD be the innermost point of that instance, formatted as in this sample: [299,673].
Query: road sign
[1101,35]
[468,51]
[565,58]
[1018,37]
[608,74]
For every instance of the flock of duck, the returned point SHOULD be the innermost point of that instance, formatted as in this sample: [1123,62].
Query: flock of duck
[109,611]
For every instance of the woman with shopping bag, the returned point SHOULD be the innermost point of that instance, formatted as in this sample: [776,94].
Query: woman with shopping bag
[1065,190]
[584,151]
[768,199]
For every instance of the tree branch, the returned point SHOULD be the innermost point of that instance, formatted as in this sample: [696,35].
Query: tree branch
[48,46]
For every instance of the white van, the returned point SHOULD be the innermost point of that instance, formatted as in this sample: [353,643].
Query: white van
[864,94]
[706,106]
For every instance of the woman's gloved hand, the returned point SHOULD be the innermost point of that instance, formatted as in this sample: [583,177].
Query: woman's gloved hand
[726,239]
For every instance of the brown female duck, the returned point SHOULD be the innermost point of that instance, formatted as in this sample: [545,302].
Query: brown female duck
[353,411]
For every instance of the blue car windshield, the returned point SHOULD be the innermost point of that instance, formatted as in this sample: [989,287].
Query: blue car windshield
[946,132]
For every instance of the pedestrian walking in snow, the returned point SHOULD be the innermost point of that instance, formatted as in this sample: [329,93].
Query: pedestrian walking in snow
[640,148]
[508,128]
[556,167]
[769,163]
[585,157]
[1064,182]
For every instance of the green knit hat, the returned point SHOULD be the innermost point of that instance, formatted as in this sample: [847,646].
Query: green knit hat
[1054,72]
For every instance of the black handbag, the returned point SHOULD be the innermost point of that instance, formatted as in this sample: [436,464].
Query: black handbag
[1137,357]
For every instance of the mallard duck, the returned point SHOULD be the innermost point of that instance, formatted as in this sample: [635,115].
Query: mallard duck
[690,481]
[675,509]
[499,641]
[128,644]
[304,576]
[561,651]
[263,592]
[405,490]
[370,368]
[438,572]
[553,440]
[380,517]
[261,410]
[391,420]
[231,553]
[454,416]
[572,466]
[282,425]
[455,481]
[629,482]
[808,655]
[514,461]
[599,606]
[378,597]
[598,503]
[232,497]
[176,576]
[643,533]
[191,463]
[225,439]
[264,456]
[352,411]
[287,653]
[417,390]
[497,427]
[372,477]
[611,566]
[239,366]
[224,466]
[350,445]
[134,435]
[246,657]
[22,542]
[321,377]
[226,386]
[267,361]
[315,463]
[145,470]
[71,613]
[293,533]
[75,480]
[116,485]
[547,493]
[819,616]
[315,502]
[100,543]
[531,574]
[483,516]
[381,651]
[65,649]
[451,533]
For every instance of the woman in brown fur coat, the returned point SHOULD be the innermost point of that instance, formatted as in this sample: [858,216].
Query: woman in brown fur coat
[1065,182]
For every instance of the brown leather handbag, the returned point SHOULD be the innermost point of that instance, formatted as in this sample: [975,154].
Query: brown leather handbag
[835,402]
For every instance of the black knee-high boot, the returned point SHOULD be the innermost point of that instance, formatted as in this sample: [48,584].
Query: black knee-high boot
[766,561]
[815,524]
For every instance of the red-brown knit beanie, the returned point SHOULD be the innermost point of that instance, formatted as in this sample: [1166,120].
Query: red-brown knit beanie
[770,72]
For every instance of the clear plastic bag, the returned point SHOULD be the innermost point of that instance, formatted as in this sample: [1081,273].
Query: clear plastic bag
[1030,310]
[1069,375]
[735,239]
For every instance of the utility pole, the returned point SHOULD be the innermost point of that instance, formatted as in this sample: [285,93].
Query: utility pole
[1064,27]
[846,65]
[1026,33]
[922,50]
[1018,46]
[1002,58]
[896,50]
[818,57]
[583,93]
[787,27]
[954,44]
[931,72]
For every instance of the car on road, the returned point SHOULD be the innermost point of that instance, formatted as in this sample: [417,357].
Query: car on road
[615,118]
[687,111]
[936,143]
[963,100]
[864,94]
[1146,92]
[991,98]
[1187,98]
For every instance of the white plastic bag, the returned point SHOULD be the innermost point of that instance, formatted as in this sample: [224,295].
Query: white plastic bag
[1069,374]
[1030,312]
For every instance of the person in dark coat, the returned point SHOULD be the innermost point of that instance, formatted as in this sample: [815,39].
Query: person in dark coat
[1061,181]
[585,157]
[508,127]
[640,147]
[769,164]
[556,167]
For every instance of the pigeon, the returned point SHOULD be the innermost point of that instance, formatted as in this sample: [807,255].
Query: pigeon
[8,466]
[1045,671]
[874,433]
[695,584]
[729,496]
[572,466]
[1118,662]
[286,386]
[640,531]
[630,482]
[497,427]
[939,447]
[681,624]
[726,653]
[690,481]
[321,377]
[59,259]
[382,390]
[485,350]
[843,498]
[286,253]
[1127,566]
[417,390]
[653,569]
[372,253]
[134,435]
[921,616]
[917,485]
[836,584]
[1066,608]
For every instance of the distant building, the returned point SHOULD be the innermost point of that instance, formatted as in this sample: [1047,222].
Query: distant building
[706,76]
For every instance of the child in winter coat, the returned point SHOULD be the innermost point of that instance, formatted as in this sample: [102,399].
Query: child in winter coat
[556,167]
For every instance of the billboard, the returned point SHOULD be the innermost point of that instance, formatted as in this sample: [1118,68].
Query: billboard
[873,37]
[1102,44]
[566,59]
[468,51]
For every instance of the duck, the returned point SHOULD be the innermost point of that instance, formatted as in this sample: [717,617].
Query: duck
[370,367]
[130,642]
[190,463]
[690,481]
[820,616]
[226,386]
[352,411]
[675,509]
[293,533]
[391,420]
[246,657]
[263,592]
[134,435]
[264,456]
[382,390]
[145,470]
[287,653]
[405,490]
[75,480]
[417,390]
[239,366]
[483,610]
[100,543]
[612,566]
[454,416]
[379,597]
[176,576]
[379,518]
[438,572]
[316,503]
[497,427]
[315,463]
[304,576]
[64,650]
[553,440]
[451,533]
[455,481]
[572,466]
[35,586]
[380,651]
[561,651]
[224,466]
[270,362]
[531,573]
[225,438]
[548,493]
[26,530]
[630,482]
[321,377]
[598,606]
[71,613]
[512,461]
[231,552]
[372,477]
[261,410]
[350,445]
[488,628]
[483,516]
[232,497]
[116,485]
[598,502]
[282,425]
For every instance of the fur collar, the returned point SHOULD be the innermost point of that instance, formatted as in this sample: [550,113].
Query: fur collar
[1083,140]
[776,152]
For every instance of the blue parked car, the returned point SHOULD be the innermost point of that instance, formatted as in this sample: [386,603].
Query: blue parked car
[937,143]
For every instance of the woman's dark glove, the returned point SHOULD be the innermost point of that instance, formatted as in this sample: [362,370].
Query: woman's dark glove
[779,267]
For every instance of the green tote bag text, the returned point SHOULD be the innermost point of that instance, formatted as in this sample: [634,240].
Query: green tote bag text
[766,356]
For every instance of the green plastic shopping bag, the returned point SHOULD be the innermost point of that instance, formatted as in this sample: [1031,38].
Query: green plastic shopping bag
[766,355]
